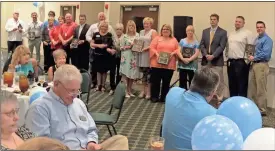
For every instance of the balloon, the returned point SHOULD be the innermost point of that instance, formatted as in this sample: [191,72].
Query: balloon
[35,4]
[36,95]
[39,4]
[37,89]
[243,112]
[261,139]
[216,132]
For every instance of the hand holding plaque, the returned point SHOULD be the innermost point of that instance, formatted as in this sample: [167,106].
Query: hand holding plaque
[249,50]
[164,58]
[187,52]
[74,44]
[138,45]
[31,35]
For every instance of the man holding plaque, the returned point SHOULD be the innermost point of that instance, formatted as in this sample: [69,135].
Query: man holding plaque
[34,32]
[237,63]
[260,69]
[80,57]
[212,45]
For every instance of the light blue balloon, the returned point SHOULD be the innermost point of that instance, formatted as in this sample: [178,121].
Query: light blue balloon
[36,95]
[35,4]
[216,132]
[243,112]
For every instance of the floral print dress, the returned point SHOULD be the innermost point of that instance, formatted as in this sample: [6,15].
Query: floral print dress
[128,64]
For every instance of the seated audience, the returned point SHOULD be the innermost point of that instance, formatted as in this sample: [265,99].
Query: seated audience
[62,116]
[59,56]
[11,135]
[185,108]
[21,61]
[42,143]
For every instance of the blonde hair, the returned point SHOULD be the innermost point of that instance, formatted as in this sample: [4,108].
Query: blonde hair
[59,52]
[103,23]
[148,19]
[20,51]
[67,73]
[190,27]
[119,25]
[42,143]
[131,22]
[169,27]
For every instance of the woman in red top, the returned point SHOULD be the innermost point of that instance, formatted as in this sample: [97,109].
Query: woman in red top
[54,33]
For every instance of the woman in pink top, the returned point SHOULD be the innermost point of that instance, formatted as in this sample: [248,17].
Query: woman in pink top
[54,34]
[165,44]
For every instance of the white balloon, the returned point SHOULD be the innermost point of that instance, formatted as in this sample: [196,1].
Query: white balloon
[39,4]
[261,139]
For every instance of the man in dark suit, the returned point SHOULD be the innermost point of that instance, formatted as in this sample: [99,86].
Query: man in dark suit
[213,43]
[80,55]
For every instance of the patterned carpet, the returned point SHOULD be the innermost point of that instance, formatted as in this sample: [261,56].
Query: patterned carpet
[140,119]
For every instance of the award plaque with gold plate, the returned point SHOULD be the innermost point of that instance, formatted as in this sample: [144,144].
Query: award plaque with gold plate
[164,58]
[138,45]
[187,52]
[249,51]
[74,44]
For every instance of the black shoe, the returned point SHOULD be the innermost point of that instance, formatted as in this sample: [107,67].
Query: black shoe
[94,86]
[154,100]
[162,100]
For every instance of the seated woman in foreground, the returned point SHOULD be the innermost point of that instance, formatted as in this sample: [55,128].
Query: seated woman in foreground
[11,135]
[59,56]
[21,61]
[48,144]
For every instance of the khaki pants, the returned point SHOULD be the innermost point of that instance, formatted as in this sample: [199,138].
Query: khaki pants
[257,86]
[117,142]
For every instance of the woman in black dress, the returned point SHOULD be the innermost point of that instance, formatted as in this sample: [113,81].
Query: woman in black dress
[103,44]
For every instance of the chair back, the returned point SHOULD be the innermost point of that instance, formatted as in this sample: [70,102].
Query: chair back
[119,96]
[85,86]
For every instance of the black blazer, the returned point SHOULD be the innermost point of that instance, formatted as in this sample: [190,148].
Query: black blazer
[83,32]
[217,46]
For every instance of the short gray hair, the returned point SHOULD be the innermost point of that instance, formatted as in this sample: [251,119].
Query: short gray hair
[205,81]
[6,96]
[119,25]
[67,73]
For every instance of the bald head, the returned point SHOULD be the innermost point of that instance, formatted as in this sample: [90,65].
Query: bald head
[68,18]
[101,16]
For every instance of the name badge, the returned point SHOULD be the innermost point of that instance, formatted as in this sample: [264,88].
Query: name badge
[82,118]
[97,36]
[65,34]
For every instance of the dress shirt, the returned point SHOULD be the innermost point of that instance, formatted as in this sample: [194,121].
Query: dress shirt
[35,27]
[72,125]
[67,30]
[264,45]
[80,29]
[183,110]
[46,23]
[213,29]
[14,35]
[237,41]
[94,28]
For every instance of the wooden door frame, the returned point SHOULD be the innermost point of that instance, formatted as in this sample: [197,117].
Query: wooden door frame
[139,5]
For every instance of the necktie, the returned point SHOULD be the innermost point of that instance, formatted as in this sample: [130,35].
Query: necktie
[211,38]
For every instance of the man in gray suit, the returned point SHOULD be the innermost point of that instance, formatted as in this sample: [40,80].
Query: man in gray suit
[213,43]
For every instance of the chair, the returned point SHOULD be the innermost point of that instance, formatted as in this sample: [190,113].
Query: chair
[117,103]
[85,86]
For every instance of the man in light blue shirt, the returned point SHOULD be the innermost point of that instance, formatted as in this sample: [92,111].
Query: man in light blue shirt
[62,116]
[185,108]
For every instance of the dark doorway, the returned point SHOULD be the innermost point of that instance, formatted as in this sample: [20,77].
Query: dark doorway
[180,24]
[139,22]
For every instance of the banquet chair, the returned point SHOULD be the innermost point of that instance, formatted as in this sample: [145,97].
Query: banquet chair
[117,103]
[85,87]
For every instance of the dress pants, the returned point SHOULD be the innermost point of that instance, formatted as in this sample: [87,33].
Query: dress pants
[238,73]
[68,51]
[80,56]
[183,73]
[36,43]
[158,76]
[114,72]
[13,44]
[48,57]
[93,69]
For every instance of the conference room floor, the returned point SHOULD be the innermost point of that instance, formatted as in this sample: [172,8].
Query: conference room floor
[140,119]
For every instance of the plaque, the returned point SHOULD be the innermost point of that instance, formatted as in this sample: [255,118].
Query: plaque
[20,26]
[31,35]
[164,58]
[187,52]
[74,44]
[138,45]
[249,49]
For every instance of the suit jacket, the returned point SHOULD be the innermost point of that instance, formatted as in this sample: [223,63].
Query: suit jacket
[216,48]
[82,36]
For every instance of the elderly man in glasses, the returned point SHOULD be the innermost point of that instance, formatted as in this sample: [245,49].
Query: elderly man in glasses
[61,115]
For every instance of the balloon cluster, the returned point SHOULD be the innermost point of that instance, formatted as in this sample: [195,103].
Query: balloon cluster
[236,126]
[36,93]
[37,4]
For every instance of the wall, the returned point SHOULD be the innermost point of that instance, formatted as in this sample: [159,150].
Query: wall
[25,9]
[91,9]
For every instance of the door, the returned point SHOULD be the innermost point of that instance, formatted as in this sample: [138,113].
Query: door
[138,13]
[68,9]
[180,24]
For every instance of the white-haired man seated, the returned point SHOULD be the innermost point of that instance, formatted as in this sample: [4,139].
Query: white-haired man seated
[62,116]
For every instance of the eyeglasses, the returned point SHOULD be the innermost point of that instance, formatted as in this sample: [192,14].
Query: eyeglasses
[118,29]
[12,113]
[165,29]
[69,92]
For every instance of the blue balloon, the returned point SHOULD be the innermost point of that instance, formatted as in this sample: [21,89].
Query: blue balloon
[35,4]
[216,132]
[243,112]
[36,95]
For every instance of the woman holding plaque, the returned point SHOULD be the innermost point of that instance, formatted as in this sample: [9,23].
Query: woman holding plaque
[128,64]
[54,33]
[103,43]
[143,61]
[163,50]
[188,62]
